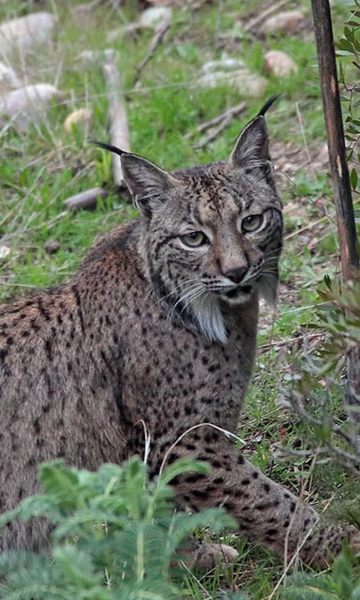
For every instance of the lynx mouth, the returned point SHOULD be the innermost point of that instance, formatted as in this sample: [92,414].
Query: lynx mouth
[238,291]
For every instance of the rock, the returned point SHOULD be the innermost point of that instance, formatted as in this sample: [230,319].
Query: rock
[248,84]
[27,104]
[232,72]
[152,17]
[279,63]
[224,64]
[20,35]
[210,556]
[8,79]
[91,58]
[78,118]
[284,22]
[51,246]
[4,251]
[83,15]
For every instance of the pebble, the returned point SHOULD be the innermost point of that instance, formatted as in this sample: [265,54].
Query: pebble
[8,79]
[248,84]
[51,246]
[78,118]
[284,22]
[279,63]
[224,64]
[4,251]
[152,17]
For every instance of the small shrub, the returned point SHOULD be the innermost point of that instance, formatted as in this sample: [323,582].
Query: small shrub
[115,535]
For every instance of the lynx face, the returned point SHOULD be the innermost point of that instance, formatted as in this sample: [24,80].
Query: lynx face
[214,233]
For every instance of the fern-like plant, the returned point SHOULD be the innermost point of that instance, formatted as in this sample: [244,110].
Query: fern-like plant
[340,584]
[115,535]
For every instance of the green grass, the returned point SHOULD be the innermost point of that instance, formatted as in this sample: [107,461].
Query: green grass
[41,168]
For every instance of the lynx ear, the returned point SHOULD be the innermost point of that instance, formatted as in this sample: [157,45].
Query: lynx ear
[251,150]
[148,183]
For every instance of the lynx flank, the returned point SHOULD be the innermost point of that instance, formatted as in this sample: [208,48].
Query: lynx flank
[159,326]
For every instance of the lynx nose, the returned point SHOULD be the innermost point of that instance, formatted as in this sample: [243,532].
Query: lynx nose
[236,275]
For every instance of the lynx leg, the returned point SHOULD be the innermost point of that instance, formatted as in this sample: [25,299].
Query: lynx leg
[265,511]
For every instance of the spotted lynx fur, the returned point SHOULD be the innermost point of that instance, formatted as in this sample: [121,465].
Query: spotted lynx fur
[158,327]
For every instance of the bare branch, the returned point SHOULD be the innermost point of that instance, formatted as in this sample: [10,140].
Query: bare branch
[339,174]
[155,43]
[117,117]
[234,111]
[264,14]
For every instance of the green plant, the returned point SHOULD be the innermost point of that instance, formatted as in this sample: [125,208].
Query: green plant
[348,50]
[343,583]
[115,535]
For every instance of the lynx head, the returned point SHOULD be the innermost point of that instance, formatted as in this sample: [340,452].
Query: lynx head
[214,232]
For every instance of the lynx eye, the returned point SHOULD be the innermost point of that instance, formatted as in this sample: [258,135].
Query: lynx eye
[252,223]
[194,239]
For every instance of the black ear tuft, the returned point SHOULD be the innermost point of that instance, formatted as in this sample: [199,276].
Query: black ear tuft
[267,105]
[110,148]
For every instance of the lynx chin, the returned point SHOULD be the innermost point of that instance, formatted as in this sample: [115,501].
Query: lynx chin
[158,326]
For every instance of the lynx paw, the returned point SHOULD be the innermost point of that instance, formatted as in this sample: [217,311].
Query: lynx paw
[208,556]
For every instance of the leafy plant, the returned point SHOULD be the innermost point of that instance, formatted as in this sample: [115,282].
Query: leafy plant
[348,49]
[341,584]
[115,535]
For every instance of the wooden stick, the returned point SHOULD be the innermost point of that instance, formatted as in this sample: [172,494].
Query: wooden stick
[117,117]
[118,126]
[263,15]
[233,112]
[339,175]
[335,138]
[86,200]
[213,133]
[155,43]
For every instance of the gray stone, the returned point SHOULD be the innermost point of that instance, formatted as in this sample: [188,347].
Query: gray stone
[248,84]
[20,35]
[284,22]
[27,104]
[8,79]
[51,246]
[152,17]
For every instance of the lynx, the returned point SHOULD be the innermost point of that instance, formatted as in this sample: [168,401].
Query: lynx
[157,327]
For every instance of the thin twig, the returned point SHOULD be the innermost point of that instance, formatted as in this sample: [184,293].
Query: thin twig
[264,14]
[290,563]
[155,43]
[288,341]
[298,504]
[233,112]
[303,134]
[213,133]
[205,424]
